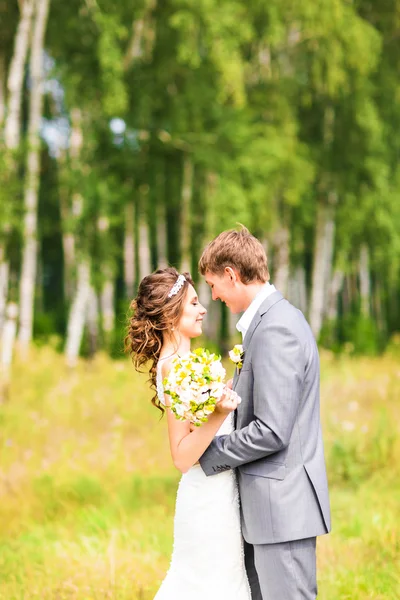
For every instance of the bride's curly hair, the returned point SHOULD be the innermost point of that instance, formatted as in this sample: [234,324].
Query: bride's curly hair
[153,313]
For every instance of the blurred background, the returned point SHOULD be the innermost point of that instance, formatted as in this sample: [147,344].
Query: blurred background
[131,133]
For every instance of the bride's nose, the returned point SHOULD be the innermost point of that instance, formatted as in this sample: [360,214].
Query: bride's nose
[203,311]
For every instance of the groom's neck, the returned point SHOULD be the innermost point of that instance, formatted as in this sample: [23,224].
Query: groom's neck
[249,292]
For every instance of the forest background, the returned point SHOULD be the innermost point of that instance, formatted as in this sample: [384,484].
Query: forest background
[131,133]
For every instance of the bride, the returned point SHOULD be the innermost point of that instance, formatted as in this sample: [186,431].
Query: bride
[207,559]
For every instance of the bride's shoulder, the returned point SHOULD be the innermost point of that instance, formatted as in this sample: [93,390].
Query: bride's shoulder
[165,365]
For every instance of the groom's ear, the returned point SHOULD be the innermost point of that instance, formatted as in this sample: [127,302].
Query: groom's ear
[232,274]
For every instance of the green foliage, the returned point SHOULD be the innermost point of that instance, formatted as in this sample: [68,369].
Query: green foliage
[279,105]
[361,334]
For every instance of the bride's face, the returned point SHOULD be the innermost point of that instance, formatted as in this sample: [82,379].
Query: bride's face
[190,323]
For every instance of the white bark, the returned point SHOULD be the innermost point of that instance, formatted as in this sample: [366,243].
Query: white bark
[144,250]
[29,255]
[162,237]
[297,289]
[322,265]
[135,44]
[68,239]
[378,306]
[365,281]
[16,75]
[76,137]
[135,47]
[92,320]
[335,288]
[2,89]
[107,302]
[107,291]
[4,276]
[7,346]
[70,208]
[129,250]
[78,314]
[282,259]
[187,189]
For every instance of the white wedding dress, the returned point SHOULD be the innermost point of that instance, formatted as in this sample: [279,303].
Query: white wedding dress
[207,559]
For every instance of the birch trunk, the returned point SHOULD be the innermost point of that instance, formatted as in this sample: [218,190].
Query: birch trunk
[107,302]
[4,276]
[322,264]
[12,96]
[78,313]
[68,238]
[378,306]
[144,250]
[7,348]
[92,320]
[2,89]
[161,236]
[129,250]
[346,294]
[71,208]
[282,259]
[107,289]
[365,282]
[335,288]
[135,44]
[297,289]
[29,254]
[16,75]
[135,47]
[187,188]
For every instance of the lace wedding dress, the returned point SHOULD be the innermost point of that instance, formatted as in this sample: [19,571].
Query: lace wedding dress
[207,559]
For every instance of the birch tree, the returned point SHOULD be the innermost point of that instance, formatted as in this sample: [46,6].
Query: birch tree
[187,189]
[29,253]
[11,91]
[323,249]
[15,82]
[129,250]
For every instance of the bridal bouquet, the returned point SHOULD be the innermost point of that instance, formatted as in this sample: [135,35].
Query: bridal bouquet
[195,384]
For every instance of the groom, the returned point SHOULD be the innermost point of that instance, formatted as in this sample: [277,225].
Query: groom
[277,445]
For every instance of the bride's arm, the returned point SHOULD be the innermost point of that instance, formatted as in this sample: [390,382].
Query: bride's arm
[187,446]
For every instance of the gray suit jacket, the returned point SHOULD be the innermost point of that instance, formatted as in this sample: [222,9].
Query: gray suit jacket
[277,444]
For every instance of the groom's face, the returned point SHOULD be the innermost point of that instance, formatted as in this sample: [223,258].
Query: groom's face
[224,287]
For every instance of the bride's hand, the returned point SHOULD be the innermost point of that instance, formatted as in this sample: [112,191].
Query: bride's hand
[228,402]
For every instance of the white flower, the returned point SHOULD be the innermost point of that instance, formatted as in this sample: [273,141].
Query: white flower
[179,409]
[217,370]
[236,355]
[194,384]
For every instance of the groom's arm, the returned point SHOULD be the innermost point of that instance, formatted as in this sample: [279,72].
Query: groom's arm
[278,369]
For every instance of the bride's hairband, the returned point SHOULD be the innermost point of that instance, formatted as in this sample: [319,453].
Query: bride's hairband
[177,286]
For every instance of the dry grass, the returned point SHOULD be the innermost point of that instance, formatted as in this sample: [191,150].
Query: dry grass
[87,488]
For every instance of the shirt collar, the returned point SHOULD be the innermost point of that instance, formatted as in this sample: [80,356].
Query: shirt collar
[245,320]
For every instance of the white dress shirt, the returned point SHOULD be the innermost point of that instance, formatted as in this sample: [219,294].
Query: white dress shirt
[245,320]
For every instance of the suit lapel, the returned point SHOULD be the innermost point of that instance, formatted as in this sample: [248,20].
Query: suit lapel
[265,306]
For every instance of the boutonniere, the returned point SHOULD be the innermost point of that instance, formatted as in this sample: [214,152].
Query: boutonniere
[237,355]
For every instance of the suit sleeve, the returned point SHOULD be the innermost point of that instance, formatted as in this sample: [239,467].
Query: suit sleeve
[278,371]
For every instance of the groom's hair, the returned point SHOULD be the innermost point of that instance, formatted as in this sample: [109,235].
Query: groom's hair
[238,249]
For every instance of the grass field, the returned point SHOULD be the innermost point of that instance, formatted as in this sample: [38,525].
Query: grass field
[87,489]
